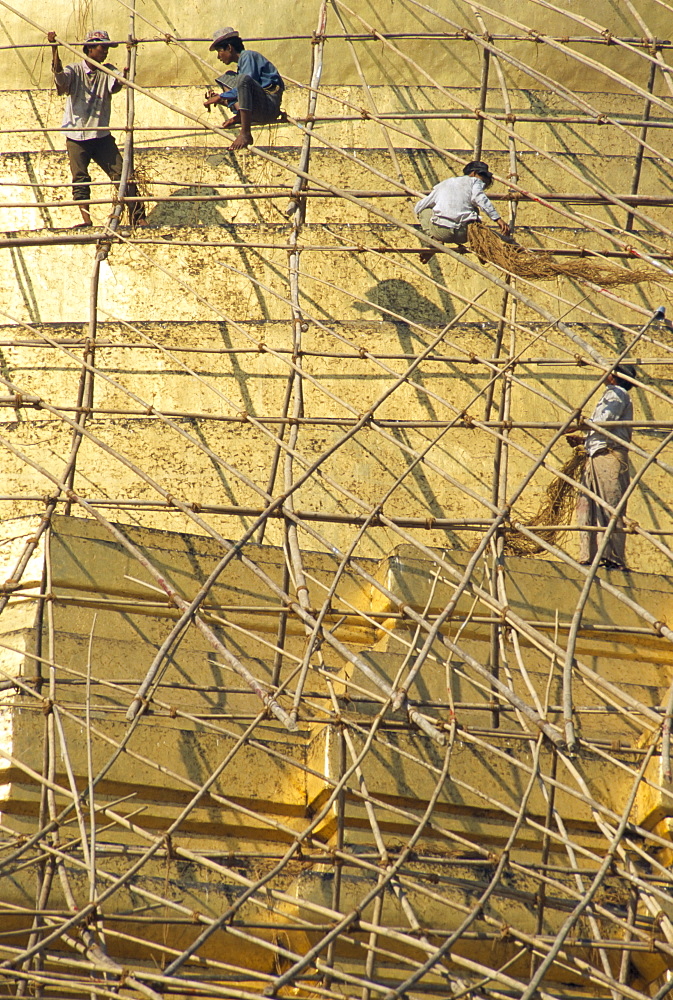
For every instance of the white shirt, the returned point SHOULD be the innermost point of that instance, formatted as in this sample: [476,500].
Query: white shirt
[614,404]
[87,109]
[457,201]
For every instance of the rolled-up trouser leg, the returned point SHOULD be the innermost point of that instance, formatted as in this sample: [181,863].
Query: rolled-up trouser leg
[79,157]
[107,156]
[264,107]
[607,475]
[443,234]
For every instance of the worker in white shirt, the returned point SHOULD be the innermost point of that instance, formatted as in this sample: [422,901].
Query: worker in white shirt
[453,204]
[606,472]
[86,119]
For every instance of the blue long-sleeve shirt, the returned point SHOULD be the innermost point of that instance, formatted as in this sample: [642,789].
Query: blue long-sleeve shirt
[257,66]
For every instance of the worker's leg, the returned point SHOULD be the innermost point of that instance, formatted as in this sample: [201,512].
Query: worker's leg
[79,157]
[107,156]
[255,105]
[586,515]
[611,469]
[442,234]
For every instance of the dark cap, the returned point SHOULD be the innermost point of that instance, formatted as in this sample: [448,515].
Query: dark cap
[480,168]
[626,370]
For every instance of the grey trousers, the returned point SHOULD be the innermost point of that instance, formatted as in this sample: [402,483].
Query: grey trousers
[606,474]
[441,233]
[263,105]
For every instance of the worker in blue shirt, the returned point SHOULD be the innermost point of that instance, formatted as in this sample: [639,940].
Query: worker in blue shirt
[254,92]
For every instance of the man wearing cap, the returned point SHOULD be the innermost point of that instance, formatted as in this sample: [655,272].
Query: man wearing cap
[606,472]
[453,204]
[254,92]
[87,117]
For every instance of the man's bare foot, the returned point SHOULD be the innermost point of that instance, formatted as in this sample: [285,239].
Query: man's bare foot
[232,122]
[140,223]
[426,255]
[242,140]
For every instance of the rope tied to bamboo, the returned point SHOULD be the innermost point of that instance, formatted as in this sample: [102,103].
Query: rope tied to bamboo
[521,261]
[556,507]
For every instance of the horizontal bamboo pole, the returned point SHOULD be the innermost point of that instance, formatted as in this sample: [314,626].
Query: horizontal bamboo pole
[9,242]
[25,401]
[264,194]
[427,523]
[451,36]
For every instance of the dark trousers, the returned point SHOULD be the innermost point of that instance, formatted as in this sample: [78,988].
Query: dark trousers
[105,153]
[263,105]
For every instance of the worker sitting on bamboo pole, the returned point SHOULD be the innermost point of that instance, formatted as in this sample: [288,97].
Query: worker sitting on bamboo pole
[86,117]
[453,204]
[254,92]
[606,472]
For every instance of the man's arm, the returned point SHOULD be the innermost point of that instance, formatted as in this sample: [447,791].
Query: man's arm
[427,202]
[61,77]
[487,205]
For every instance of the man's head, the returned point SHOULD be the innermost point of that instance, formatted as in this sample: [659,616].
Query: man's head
[621,374]
[96,45]
[479,169]
[228,44]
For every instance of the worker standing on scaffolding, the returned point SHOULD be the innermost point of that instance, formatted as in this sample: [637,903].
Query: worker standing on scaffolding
[86,117]
[606,472]
[453,204]
[254,92]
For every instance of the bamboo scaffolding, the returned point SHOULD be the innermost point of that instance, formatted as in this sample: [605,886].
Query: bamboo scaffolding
[597,937]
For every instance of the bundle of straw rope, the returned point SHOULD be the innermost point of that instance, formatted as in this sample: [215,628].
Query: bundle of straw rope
[490,246]
[557,508]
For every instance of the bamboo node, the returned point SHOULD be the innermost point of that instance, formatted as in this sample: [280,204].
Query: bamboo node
[261,347]
[47,706]
[362,351]
[430,522]
[659,627]
[170,850]
[149,411]
[196,916]
[467,420]
[173,712]
[478,113]
[581,362]
[364,113]
[196,507]
[608,36]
